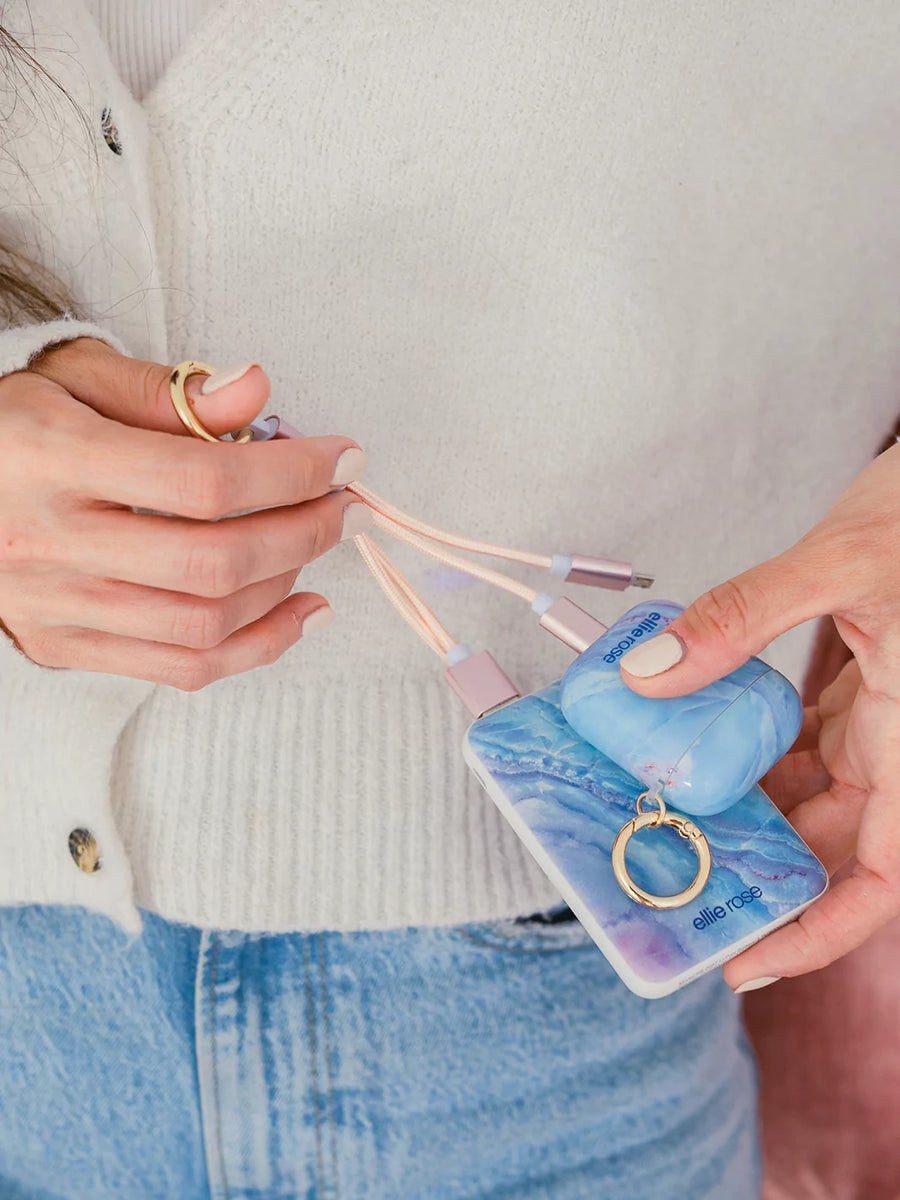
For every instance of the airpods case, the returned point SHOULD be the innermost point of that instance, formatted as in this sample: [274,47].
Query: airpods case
[705,750]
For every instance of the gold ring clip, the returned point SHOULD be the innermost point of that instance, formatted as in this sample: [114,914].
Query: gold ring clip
[654,820]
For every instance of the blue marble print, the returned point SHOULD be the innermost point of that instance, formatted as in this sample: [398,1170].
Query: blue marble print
[574,800]
[703,751]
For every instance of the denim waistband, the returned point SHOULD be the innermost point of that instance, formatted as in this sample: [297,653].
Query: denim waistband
[498,1059]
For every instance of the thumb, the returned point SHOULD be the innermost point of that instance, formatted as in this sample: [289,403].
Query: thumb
[134,392]
[726,626]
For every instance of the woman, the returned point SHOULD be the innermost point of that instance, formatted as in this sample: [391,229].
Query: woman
[660,236]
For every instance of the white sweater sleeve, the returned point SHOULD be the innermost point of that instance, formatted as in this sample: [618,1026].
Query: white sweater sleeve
[22,343]
[58,733]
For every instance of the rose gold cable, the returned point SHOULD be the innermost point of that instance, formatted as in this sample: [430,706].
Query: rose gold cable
[496,578]
[425,614]
[387,584]
[442,638]
[385,580]
[401,594]
[379,505]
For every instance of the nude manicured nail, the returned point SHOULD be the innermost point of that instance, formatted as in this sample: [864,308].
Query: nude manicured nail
[348,467]
[752,984]
[653,657]
[356,520]
[317,620]
[221,379]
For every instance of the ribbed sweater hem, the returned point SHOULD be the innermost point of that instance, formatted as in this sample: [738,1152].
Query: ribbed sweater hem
[269,838]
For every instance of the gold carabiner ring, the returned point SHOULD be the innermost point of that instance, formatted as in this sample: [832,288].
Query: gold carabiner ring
[652,820]
[184,409]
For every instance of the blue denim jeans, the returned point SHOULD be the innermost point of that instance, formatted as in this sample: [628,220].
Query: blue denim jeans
[498,1060]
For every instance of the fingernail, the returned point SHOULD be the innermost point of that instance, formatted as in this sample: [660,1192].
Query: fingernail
[221,379]
[654,657]
[348,467]
[357,519]
[752,984]
[317,620]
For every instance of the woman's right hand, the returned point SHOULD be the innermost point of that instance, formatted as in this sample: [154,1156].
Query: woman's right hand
[184,599]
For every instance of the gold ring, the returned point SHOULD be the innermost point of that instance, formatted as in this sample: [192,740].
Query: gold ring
[182,405]
[688,830]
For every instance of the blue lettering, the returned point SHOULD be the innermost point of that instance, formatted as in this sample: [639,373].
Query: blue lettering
[647,625]
[709,916]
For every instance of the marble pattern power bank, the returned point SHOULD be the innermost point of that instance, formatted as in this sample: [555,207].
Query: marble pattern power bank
[567,801]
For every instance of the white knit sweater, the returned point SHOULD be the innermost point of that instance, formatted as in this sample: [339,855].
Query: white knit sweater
[619,278]
[142,38]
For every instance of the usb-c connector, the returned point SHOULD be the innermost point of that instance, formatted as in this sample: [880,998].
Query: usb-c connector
[569,622]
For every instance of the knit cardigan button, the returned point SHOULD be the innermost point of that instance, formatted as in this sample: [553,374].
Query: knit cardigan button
[84,851]
[110,132]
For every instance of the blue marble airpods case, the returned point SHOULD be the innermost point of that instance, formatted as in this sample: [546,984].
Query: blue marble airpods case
[705,750]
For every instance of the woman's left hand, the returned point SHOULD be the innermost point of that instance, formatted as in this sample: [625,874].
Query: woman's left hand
[840,783]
